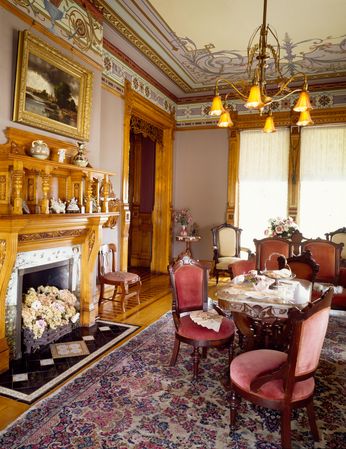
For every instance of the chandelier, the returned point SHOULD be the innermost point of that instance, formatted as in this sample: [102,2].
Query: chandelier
[256,96]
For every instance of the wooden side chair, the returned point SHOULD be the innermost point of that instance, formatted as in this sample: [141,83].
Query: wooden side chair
[189,280]
[226,247]
[303,265]
[268,250]
[284,381]
[109,275]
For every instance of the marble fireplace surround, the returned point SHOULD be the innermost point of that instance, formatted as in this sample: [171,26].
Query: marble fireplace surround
[44,262]
[39,233]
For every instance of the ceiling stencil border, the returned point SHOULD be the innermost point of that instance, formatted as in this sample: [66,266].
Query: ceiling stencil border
[121,27]
[67,20]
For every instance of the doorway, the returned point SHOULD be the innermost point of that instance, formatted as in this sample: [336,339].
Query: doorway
[151,119]
[141,199]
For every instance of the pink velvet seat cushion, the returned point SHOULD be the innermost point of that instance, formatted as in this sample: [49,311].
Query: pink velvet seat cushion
[245,367]
[192,330]
[121,276]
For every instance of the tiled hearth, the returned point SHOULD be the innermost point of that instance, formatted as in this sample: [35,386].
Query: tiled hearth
[34,374]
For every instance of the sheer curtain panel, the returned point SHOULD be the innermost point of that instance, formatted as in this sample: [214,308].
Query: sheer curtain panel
[263,174]
[323,180]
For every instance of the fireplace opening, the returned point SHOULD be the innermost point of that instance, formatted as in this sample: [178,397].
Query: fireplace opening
[56,274]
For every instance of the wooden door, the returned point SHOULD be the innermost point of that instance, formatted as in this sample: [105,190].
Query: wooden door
[141,189]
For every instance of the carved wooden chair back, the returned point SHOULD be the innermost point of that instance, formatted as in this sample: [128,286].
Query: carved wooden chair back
[189,281]
[339,236]
[226,247]
[303,265]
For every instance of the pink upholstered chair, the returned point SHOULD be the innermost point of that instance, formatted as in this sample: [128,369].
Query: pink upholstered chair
[189,280]
[268,250]
[109,275]
[241,267]
[284,381]
[327,254]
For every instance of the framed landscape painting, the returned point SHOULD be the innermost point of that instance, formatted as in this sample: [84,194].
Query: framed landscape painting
[52,92]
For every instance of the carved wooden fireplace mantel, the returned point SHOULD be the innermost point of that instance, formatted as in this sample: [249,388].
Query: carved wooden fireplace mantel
[22,176]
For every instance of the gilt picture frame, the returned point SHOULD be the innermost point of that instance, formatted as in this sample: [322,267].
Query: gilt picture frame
[52,92]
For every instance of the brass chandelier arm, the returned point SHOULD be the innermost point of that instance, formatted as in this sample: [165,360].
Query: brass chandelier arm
[275,100]
[241,95]
[285,85]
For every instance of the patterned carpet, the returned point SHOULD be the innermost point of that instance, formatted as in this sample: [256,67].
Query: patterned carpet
[133,399]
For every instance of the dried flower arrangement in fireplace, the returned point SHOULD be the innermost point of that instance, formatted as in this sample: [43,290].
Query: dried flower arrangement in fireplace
[48,308]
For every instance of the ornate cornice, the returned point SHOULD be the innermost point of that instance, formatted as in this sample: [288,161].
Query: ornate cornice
[130,63]
[129,34]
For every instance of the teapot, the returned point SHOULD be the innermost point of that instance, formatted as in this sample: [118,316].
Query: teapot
[80,158]
[39,150]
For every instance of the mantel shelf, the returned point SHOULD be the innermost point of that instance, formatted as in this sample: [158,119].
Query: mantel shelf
[41,165]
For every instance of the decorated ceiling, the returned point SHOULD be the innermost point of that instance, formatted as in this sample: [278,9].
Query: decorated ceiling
[194,42]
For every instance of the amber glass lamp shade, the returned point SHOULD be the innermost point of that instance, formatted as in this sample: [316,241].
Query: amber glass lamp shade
[269,126]
[254,100]
[216,106]
[304,119]
[225,120]
[303,102]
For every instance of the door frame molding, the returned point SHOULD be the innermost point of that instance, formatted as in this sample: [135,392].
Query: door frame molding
[136,105]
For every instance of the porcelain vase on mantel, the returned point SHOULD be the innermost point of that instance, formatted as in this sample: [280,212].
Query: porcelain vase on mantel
[183,230]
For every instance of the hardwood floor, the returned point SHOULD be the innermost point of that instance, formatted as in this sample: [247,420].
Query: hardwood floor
[155,301]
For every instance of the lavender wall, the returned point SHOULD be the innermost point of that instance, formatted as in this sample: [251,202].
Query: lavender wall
[10,25]
[200,183]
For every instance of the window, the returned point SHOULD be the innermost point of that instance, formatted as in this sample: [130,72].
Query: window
[263,174]
[323,180]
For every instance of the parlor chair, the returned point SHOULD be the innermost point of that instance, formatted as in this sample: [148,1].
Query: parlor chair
[109,275]
[284,381]
[339,236]
[189,280]
[327,254]
[268,250]
[226,247]
[302,266]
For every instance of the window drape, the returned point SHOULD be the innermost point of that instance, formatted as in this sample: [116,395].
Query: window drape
[263,175]
[323,180]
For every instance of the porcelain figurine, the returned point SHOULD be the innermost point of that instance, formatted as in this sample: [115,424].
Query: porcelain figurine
[57,206]
[73,207]
[39,150]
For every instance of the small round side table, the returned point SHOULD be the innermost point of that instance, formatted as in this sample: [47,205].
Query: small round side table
[188,239]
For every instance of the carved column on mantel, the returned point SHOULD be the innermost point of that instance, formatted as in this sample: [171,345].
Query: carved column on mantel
[8,253]
[17,190]
[45,175]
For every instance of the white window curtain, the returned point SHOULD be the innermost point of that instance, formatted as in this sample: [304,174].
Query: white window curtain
[323,180]
[263,174]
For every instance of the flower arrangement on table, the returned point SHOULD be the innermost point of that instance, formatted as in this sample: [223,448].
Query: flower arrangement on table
[184,218]
[281,227]
[257,281]
[48,308]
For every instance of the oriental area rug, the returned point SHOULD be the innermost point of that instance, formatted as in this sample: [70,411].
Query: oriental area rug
[132,398]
